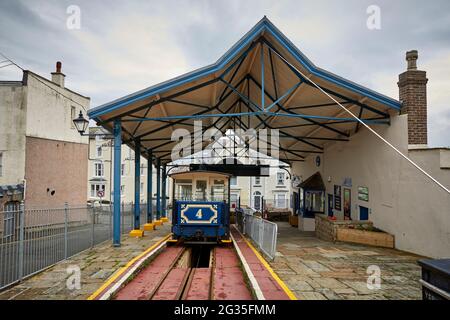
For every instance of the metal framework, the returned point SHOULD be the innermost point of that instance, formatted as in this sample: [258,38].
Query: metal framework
[254,85]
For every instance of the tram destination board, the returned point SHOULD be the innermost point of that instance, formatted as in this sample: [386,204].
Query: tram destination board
[243,170]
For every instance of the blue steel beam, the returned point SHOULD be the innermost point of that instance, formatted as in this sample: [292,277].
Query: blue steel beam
[280,106]
[198,113]
[242,59]
[158,189]
[272,69]
[137,185]
[150,187]
[201,116]
[163,191]
[305,116]
[308,82]
[263,104]
[242,96]
[284,95]
[213,125]
[117,175]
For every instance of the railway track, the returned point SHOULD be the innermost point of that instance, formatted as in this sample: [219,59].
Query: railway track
[189,273]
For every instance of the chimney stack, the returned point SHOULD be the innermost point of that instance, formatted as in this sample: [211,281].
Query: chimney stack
[412,86]
[58,76]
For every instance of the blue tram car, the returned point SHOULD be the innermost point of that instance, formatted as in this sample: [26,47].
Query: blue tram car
[200,207]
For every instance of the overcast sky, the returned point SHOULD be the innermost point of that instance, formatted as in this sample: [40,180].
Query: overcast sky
[124,46]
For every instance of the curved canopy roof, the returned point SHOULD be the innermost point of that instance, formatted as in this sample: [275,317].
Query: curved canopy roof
[228,95]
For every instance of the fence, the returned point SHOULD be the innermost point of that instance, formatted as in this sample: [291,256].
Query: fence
[34,239]
[262,232]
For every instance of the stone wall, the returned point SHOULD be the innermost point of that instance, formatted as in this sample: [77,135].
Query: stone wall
[326,229]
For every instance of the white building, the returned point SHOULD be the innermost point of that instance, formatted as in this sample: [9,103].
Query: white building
[42,155]
[100,170]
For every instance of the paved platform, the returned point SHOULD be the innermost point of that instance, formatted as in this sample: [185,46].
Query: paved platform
[317,269]
[96,266]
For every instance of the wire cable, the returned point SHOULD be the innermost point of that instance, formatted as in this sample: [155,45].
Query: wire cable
[366,126]
[50,87]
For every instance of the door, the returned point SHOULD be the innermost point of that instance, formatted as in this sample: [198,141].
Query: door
[257,200]
[347,204]
[330,205]
[363,213]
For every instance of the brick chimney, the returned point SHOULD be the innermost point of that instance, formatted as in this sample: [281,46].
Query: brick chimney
[412,86]
[58,76]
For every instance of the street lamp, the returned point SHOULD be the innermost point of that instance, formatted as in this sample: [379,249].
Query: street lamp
[81,123]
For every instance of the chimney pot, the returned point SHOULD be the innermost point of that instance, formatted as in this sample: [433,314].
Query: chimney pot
[58,76]
[411,57]
[413,95]
[58,66]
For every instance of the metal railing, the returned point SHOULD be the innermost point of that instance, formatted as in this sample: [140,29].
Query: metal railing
[34,239]
[262,232]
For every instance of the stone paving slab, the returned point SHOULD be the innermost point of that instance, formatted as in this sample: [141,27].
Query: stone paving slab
[96,266]
[317,270]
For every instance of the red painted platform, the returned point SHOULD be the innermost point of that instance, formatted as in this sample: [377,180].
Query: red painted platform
[172,286]
[228,279]
[199,288]
[145,282]
[270,288]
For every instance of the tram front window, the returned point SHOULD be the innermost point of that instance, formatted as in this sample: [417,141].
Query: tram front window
[200,192]
[184,190]
[218,190]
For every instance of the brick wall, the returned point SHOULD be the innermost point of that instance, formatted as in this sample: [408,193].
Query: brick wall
[413,94]
[56,172]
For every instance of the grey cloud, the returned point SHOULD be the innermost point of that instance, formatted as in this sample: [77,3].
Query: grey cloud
[332,34]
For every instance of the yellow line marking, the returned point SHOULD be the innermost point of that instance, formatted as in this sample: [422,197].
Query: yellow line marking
[286,290]
[121,270]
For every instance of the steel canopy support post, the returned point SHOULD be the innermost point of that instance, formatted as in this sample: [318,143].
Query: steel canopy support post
[137,232]
[164,193]
[117,132]
[158,191]
[149,225]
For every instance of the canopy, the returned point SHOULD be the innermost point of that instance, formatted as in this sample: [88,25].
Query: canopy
[228,94]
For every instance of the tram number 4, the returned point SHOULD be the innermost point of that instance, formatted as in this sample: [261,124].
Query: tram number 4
[199,214]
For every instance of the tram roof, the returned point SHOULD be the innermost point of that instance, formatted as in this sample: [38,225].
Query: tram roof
[228,95]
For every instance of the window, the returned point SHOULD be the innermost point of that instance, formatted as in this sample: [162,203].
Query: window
[98,169]
[233,181]
[122,190]
[280,201]
[1,164]
[142,169]
[280,178]
[73,115]
[234,200]
[257,180]
[122,169]
[142,187]
[99,151]
[95,188]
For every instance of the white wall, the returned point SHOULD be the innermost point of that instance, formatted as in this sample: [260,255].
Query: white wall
[49,114]
[12,133]
[401,200]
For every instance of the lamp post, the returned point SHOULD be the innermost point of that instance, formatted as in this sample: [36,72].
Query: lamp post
[81,123]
